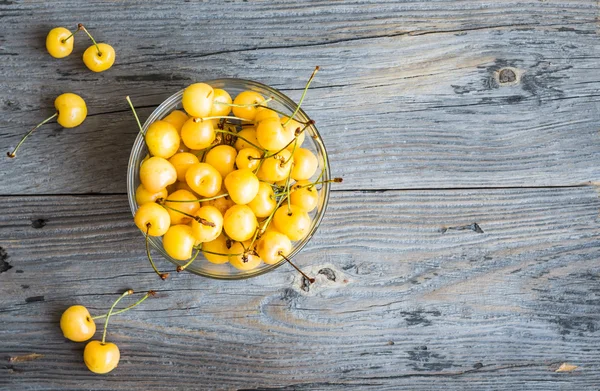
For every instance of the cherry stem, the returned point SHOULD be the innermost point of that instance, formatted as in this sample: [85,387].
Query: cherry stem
[163,276]
[128,292]
[135,115]
[311,280]
[294,188]
[282,113]
[287,190]
[14,152]
[201,199]
[162,201]
[257,104]
[293,151]
[201,119]
[150,293]
[266,223]
[310,79]
[80,26]
[294,140]
[69,37]
[240,137]
[182,268]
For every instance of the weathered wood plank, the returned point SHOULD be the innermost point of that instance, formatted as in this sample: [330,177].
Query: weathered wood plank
[408,96]
[422,298]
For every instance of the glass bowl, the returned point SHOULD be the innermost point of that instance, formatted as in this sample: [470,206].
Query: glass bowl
[312,142]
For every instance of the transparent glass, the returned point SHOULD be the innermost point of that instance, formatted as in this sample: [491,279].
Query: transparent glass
[312,142]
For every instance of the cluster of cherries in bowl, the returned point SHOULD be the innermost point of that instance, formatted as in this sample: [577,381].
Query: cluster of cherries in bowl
[228,178]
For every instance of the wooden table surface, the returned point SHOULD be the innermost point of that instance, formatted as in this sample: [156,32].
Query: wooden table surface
[464,240]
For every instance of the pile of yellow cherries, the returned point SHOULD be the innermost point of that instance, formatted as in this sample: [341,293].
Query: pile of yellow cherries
[227,178]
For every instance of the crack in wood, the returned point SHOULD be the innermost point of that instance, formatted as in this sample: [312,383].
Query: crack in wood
[413,33]
[472,227]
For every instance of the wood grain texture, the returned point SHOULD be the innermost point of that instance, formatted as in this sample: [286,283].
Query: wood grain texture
[422,298]
[408,97]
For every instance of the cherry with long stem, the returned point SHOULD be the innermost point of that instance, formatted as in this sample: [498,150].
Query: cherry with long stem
[14,151]
[81,27]
[162,201]
[126,293]
[294,140]
[140,301]
[163,276]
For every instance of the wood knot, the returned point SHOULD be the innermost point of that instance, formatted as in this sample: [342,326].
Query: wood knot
[507,76]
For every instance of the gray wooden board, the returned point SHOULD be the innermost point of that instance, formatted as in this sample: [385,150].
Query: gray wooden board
[408,96]
[423,298]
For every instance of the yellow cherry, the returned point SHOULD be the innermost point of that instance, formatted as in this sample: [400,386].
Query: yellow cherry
[152,218]
[292,127]
[219,246]
[271,245]
[157,173]
[264,203]
[293,222]
[197,100]
[205,233]
[277,167]
[101,357]
[204,179]
[143,196]
[176,118]
[249,134]
[77,324]
[247,98]
[197,134]
[305,164]
[304,195]
[222,157]
[181,186]
[59,42]
[272,136]
[245,260]
[71,110]
[221,203]
[218,108]
[99,58]
[242,185]
[239,223]
[175,209]
[264,114]
[270,228]
[162,139]
[179,241]
[248,158]
[182,161]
